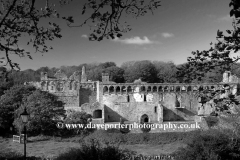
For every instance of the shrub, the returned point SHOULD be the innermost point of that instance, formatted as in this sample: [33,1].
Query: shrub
[211,120]
[11,155]
[77,117]
[146,129]
[96,151]
[139,138]
[211,144]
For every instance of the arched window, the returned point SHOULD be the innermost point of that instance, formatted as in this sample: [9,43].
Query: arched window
[129,89]
[105,89]
[111,89]
[155,109]
[117,89]
[154,89]
[149,89]
[143,89]
[160,89]
[144,118]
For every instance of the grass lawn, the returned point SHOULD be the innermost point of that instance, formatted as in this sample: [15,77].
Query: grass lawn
[52,148]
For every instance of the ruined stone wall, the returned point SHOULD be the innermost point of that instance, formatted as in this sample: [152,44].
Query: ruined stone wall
[131,101]
[117,106]
[179,106]
[88,93]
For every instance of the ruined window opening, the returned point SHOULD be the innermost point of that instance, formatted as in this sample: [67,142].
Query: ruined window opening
[160,89]
[129,89]
[155,109]
[70,86]
[154,89]
[117,89]
[97,114]
[128,98]
[51,87]
[144,118]
[75,86]
[145,98]
[105,90]
[124,90]
[149,89]
[111,89]
[143,89]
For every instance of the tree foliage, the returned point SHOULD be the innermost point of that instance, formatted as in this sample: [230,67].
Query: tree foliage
[141,69]
[106,16]
[76,117]
[11,101]
[43,108]
[222,54]
[26,18]
[166,71]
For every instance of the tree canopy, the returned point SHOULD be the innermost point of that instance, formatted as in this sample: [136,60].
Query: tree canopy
[224,54]
[20,18]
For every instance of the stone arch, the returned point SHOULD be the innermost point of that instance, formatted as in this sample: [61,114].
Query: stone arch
[105,89]
[143,89]
[129,89]
[124,89]
[144,119]
[118,90]
[111,89]
[166,88]
[189,88]
[178,89]
[160,89]
[154,89]
[149,89]
[97,113]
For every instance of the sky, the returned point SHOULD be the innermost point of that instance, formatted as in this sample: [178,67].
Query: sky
[176,29]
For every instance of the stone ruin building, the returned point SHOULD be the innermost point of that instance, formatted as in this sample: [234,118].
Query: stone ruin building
[138,102]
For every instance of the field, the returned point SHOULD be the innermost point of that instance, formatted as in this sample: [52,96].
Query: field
[52,147]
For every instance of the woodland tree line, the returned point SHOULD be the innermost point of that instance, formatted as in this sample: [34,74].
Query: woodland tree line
[148,71]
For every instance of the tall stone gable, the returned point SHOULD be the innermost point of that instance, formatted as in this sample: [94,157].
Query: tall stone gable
[84,76]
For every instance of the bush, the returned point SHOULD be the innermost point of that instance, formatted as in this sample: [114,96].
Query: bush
[211,120]
[77,117]
[146,129]
[211,144]
[139,138]
[96,151]
[11,155]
